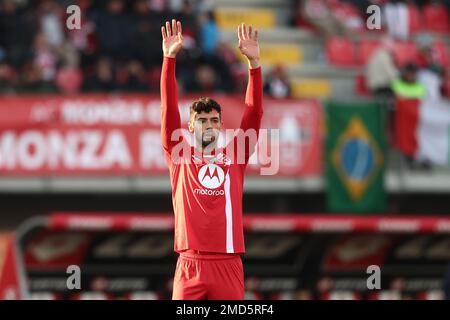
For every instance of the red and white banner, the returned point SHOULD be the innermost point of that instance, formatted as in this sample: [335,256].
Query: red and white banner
[9,278]
[120,135]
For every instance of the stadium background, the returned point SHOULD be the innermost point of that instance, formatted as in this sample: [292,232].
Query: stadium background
[110,211]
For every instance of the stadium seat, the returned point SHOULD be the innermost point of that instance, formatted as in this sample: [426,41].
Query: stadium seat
[405,52]
[229,18]
[340,51]
[310,88]
[415,23]
[279,54]
[440,53]
[436,18]
[349,14]
[366,49]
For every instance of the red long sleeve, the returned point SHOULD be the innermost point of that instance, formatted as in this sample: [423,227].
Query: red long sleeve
[170,115]
[253,101]
[253,112]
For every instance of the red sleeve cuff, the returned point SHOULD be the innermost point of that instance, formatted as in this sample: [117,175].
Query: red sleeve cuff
[169,59]
[255,70]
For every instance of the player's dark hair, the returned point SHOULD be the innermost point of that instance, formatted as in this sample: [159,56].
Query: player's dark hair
[205,105]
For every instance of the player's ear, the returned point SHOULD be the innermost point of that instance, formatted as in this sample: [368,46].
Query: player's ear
[190,126]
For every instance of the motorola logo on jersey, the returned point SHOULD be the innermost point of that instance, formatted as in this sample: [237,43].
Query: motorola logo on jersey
[211,176]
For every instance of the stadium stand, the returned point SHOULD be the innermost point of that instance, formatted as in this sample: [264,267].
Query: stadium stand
[99,85]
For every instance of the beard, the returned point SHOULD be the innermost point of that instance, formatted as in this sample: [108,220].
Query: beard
[206,143]
[208,138]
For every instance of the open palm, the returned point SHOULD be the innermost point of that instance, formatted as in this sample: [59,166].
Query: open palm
[172,38]
[248,42]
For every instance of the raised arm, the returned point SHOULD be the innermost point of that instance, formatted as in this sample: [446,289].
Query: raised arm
[249,47]
[172,41]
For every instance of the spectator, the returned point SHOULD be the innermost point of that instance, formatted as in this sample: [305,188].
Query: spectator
[428,54]
[362,5]
[146,46]
[381,70]
[318,14]
[45,59]
[205,80]
[190,31]
[16,32]
[103,79]
[277,84]
[158,5]
[30,78]
[408,86]
[135,77]
[432,79]
[114,30]
[425,51]
[114,49]
[51,24]
[396,15]
[8,78]
[238,72]
[84,40]
[69,77]
[348,14]
[209,33]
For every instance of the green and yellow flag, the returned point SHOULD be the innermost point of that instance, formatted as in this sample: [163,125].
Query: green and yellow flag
[355,157]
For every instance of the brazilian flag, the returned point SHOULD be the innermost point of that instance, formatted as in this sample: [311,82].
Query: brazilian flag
[355,157]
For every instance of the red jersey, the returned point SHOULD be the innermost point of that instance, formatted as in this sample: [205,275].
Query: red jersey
[207,191]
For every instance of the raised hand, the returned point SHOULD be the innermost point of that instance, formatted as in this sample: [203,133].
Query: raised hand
[248,44]
[172,38]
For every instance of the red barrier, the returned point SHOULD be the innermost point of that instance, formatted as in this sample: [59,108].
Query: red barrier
[9,278]
[257,222]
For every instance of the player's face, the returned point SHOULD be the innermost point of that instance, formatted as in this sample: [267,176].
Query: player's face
[206,126]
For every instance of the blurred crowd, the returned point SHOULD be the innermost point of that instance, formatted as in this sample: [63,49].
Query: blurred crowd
[344,17]
[401,21]
[118,47]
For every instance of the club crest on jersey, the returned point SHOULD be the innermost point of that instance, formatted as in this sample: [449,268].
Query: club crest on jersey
[211,176]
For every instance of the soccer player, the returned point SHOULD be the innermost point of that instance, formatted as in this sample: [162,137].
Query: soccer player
[207,190]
